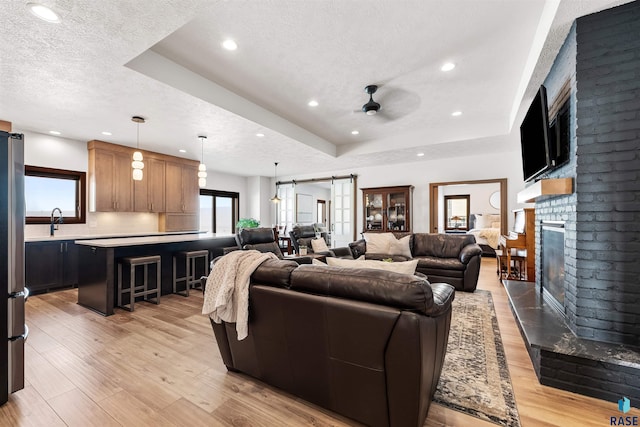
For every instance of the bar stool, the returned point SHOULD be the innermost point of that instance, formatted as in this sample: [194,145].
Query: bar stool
[136,290]
[190,279]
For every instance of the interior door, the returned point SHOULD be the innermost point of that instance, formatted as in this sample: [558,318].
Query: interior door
[342,217]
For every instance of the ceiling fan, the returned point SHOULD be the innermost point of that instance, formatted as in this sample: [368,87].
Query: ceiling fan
[371,107]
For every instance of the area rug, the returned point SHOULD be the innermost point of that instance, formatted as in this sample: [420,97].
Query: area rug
[475,377]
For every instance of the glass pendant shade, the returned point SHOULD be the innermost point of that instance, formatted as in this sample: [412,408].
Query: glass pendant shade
[202,168]
[137,174]
[275,198]
[137,164]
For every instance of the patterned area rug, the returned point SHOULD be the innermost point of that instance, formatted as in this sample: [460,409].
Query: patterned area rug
[475,377]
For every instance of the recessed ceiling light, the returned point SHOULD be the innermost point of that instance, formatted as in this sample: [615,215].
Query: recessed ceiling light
[354,132]
[43,12]
[54,132]
[313,103]
[182,151]
[456,113]
[106,133]
[420,154]
[448,66]
[229,44]
[259,135]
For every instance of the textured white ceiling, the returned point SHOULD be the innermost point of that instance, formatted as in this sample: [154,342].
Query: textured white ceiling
[109,60]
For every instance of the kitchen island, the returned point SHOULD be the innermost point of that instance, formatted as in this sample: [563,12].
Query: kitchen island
[98,258]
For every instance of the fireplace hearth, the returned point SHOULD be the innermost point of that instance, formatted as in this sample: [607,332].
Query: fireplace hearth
[563,360]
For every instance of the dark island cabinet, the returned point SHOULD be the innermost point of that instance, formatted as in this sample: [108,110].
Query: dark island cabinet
[51,265]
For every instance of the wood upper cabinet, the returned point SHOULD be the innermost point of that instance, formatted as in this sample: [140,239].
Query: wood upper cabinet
[148,195]
[387,208]
[110,181]
[181,186]
[169,184]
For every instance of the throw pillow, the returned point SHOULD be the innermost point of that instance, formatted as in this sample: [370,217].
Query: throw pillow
[495,224]
[405,267]
[319,245]
[400,247]
[378,243]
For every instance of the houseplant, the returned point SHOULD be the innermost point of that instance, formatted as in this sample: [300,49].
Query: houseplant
[247,223]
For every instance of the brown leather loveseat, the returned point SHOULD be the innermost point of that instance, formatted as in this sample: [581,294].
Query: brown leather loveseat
[448,258]
[367,344]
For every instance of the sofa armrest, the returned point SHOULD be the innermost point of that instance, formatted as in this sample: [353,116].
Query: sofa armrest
[343,252]
[469,252]
[358,248]
[443,295]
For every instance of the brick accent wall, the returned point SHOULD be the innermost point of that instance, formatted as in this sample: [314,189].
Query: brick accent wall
[601,56]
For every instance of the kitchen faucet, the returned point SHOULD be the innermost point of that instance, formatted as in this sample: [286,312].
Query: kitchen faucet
[54,226]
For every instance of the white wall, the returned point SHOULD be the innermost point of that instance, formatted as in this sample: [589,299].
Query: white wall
[317,192]
[260,190]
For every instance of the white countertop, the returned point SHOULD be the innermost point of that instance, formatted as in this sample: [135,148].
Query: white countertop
[59,237]
[150,240]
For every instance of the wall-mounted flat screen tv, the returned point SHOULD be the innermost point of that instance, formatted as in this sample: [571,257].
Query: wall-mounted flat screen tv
[534,137]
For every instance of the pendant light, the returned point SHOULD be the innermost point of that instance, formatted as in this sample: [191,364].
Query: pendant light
[137,163]
[202,168]
[275,198]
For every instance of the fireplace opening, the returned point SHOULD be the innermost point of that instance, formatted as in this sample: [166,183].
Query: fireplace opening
[552,265]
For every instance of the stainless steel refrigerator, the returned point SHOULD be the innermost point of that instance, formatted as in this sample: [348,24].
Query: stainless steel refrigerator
[13,293]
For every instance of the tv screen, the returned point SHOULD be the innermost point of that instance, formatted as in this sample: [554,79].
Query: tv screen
[534,137]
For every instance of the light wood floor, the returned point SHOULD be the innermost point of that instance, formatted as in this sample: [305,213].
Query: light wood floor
[159,366]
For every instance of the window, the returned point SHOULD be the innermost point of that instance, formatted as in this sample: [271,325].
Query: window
[456,212]
[46,189]
[218,211]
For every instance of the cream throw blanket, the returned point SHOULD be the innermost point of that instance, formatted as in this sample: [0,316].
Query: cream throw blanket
[227,292]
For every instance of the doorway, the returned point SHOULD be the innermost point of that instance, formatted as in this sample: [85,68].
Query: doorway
[434,197]
[321,207]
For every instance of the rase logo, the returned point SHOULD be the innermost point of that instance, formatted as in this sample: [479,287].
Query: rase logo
[624,406]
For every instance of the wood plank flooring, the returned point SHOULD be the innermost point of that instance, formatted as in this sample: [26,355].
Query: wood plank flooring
[159,366]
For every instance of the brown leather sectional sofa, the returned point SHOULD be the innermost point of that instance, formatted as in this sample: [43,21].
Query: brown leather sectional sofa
[367,344]
[448,258]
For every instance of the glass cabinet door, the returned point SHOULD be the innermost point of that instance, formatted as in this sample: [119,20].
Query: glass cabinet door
[397,211]
[374,211]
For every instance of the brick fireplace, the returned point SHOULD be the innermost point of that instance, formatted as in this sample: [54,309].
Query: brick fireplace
[593,345]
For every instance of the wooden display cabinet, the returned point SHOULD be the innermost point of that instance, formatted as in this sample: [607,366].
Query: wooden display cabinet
[387,208]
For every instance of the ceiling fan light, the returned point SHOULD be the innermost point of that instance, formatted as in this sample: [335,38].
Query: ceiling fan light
[371,112]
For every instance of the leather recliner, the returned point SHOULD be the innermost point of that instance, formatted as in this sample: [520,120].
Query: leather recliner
[304,234]
[367,344]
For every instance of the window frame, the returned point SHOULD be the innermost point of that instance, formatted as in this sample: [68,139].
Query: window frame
[235,201]
[81,192]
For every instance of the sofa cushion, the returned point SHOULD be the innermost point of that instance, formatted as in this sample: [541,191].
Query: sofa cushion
[440,263]
[265,247]
[380,257]
[274,272]
[378,242]
[319,245]
[440,245]
[402,291]
[407,267]
[388,243]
